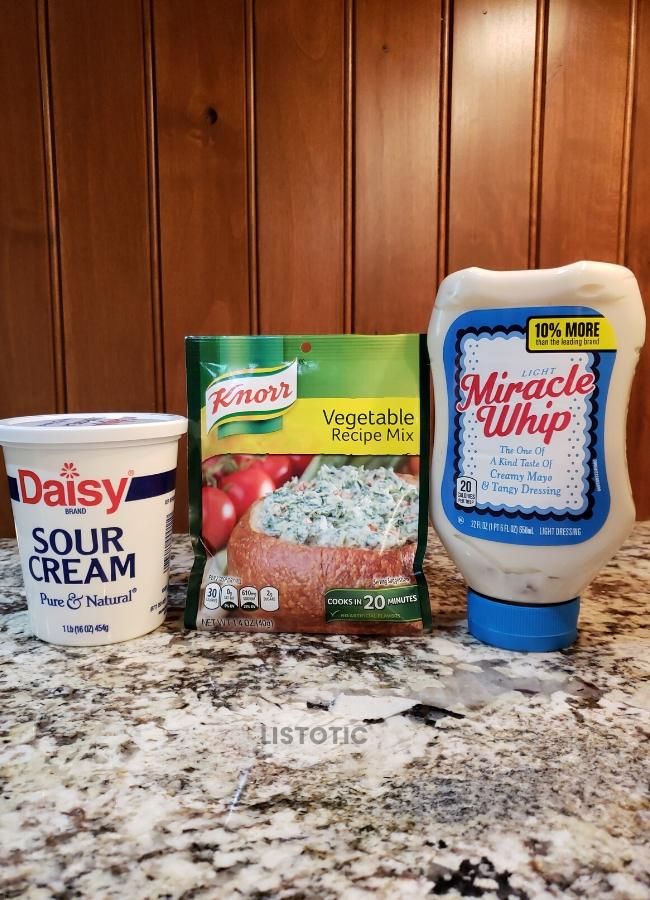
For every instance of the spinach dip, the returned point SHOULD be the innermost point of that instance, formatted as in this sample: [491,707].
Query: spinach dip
[349,506]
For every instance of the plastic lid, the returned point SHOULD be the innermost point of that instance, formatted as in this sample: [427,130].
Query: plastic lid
[519,626]
[90,428]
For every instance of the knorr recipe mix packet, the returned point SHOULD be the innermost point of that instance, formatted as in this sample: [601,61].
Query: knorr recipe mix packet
[308,502]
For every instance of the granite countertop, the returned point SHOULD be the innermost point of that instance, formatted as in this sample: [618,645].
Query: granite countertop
[149,769]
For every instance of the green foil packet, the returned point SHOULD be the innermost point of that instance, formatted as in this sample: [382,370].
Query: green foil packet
[308,478]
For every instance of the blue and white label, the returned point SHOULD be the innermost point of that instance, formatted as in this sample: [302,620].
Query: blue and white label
[94,529]
[525,454]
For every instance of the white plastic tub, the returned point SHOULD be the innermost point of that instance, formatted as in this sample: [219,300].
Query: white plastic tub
[93,502]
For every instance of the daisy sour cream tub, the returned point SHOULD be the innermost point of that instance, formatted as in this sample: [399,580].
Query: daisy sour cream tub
[93,503]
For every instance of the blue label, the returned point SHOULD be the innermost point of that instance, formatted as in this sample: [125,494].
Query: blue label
[526,454]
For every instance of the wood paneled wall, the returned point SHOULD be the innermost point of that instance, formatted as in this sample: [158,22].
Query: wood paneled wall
[219,166]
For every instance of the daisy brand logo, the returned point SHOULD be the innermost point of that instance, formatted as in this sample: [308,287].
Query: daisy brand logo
[238,401]
[71,491]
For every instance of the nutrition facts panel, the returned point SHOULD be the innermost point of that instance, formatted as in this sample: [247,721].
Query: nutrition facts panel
[229,597]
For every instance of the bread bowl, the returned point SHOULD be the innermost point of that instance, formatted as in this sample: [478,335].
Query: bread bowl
[304,540]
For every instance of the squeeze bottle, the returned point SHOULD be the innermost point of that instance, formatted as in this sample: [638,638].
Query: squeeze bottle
[531,496]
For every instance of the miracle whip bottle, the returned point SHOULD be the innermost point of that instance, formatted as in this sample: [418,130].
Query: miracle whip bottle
[531,495]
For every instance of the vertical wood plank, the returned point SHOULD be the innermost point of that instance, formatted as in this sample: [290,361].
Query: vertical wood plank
[491,130]
[28,370]
[584,129]
[446,36]
[99,116]
[201,71]
[153,204]
[397,81]
[251,170]
[201,94]
[638,259]
[299,69]
[348,167]
[537,139]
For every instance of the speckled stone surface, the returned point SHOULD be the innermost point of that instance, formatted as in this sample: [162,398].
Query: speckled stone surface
[149,769]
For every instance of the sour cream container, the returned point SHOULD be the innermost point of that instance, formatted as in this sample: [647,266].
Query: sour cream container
[93,503]
[531,496]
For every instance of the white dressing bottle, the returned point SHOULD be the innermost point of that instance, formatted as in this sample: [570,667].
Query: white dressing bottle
[530,489]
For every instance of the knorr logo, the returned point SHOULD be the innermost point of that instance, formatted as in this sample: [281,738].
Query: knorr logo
[250,396]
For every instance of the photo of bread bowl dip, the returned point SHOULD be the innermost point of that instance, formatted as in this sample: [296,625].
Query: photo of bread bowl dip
[349,526]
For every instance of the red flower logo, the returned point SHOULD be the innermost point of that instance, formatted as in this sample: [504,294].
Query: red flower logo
[69,471]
